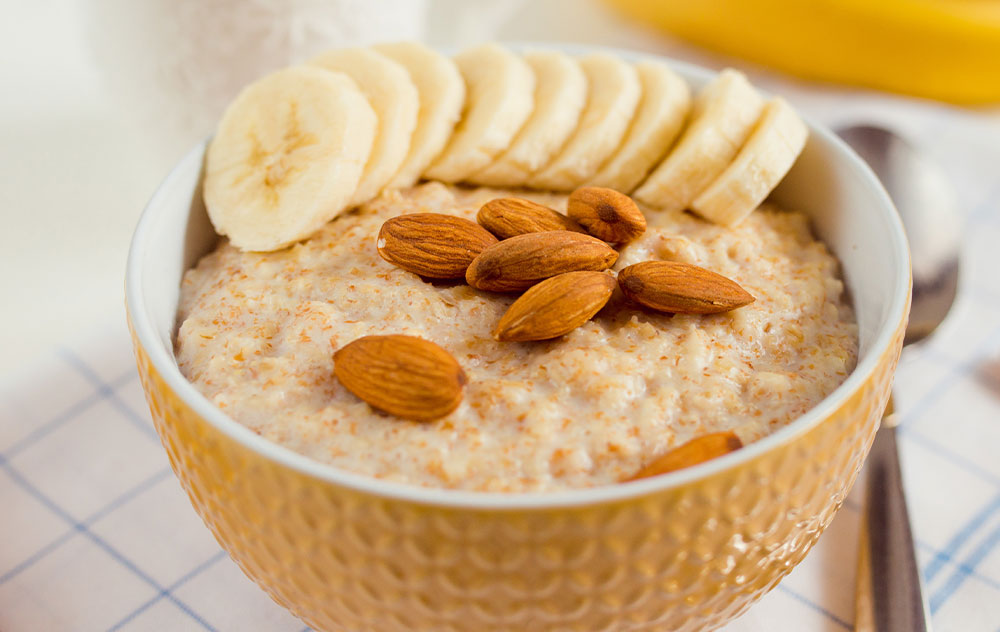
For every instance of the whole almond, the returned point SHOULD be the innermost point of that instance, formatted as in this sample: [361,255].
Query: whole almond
[606,214]
[507,217]
[517,263]
[693,452]
[681,288]
[404,376]
[432,244]
[556,306]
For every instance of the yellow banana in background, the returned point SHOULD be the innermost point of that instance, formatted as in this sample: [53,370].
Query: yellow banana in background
[940,49]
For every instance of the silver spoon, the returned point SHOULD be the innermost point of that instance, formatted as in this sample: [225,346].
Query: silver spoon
[890,594]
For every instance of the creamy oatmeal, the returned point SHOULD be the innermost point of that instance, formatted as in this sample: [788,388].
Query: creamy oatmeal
[258,331]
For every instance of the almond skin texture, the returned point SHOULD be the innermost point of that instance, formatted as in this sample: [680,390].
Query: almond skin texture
[699,450]
[507,217]
[516,264]
[432,244]
[405,376]
[681,288]
[606,214]
[556,306]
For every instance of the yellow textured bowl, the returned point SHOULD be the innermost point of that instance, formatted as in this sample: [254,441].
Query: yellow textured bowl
[686,551]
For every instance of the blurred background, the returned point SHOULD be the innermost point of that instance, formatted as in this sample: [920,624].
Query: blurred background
[99,98]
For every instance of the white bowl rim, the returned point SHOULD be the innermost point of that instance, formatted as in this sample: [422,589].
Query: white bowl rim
[165,365]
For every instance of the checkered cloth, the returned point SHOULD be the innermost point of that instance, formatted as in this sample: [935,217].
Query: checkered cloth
[96,533]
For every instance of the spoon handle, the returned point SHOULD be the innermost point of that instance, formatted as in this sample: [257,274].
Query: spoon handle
[895,595]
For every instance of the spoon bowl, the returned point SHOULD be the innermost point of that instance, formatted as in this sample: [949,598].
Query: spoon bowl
[927,204]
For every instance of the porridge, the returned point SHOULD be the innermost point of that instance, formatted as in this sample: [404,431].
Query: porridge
[258,330]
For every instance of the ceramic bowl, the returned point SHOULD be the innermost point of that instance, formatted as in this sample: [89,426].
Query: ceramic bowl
[687,551]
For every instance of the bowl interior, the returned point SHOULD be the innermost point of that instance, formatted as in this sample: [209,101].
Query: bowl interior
[848,208]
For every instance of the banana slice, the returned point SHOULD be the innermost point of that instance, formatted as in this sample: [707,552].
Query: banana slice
[766,157]
[287,157]
[500,90]
[612,98]
[666,99]
[394,98]
[560,94]
[442,95]
[724,112]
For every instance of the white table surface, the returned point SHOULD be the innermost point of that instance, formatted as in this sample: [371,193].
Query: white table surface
[75,176]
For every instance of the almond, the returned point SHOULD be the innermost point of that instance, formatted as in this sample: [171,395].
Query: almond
[606,214]
[517,263]
[699,450]
[507,217]
[404,376]
[432,244]
[556,306]
[681,288]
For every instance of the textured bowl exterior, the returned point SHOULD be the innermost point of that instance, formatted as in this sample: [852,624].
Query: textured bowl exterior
[688,557]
